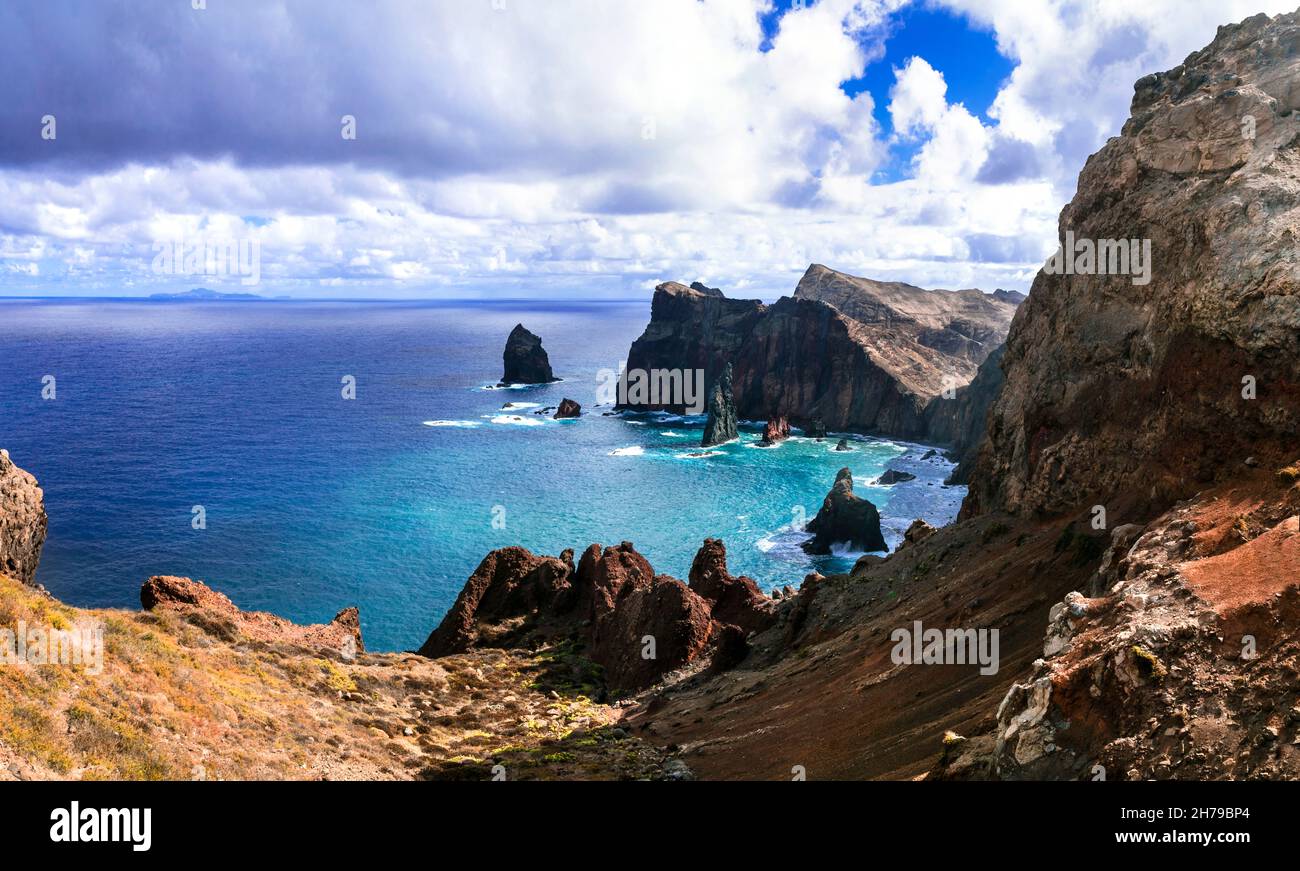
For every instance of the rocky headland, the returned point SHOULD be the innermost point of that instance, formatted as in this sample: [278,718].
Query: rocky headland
[843,353]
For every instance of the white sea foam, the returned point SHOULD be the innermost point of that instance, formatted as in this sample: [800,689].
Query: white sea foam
[517,420]
[672,435]
[515,406]
[785,540]
[459,424]
[633,451]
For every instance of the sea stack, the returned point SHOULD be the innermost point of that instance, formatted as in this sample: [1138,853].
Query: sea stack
[845,519]
[777,430]
[525,359]
[721,425]
[568,408]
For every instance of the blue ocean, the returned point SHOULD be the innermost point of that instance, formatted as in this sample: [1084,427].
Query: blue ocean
[312,501]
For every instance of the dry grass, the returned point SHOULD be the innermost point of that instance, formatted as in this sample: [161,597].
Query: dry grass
[186,698]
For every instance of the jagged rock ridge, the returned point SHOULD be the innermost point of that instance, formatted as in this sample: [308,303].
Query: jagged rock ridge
[615,602]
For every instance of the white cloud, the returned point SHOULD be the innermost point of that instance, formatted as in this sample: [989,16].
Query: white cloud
[560,146]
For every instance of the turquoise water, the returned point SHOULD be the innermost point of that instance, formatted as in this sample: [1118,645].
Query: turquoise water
[314,502]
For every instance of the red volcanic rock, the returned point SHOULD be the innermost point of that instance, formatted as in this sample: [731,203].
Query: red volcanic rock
[733,600]
[652,630]
[777,430]
[568,408]
[602,574]
[189,597]
[638,626]
[508,583]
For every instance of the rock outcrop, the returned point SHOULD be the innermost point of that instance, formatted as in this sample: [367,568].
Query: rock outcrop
[22,521]
[850,352]
[843,445]
[776,430]
[919,531]
[637,625]
[894,476]
[720,427]
[525,359]
[700,287]
[845,518]
[205,605]
[1137,389]
[568,409]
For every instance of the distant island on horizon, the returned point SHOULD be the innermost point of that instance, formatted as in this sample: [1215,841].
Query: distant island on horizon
[206,293]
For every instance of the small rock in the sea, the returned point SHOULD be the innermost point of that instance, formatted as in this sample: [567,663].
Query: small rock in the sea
[843,445]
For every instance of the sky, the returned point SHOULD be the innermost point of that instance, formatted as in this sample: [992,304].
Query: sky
[556,148]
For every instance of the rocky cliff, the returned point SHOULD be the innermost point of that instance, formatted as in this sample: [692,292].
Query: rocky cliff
[1171,403]
[22,521]
[859,355]
[1137,394]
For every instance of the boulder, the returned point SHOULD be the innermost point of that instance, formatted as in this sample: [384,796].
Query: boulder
[843,445]
[845,518]
[918,531]
[525,359]
[568,409]
[893,476]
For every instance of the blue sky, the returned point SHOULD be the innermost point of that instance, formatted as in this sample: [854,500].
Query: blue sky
[556,147]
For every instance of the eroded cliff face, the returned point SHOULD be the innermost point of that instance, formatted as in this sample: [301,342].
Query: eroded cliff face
[22,521]
[856,354]
[1134,395]
[1173,404]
